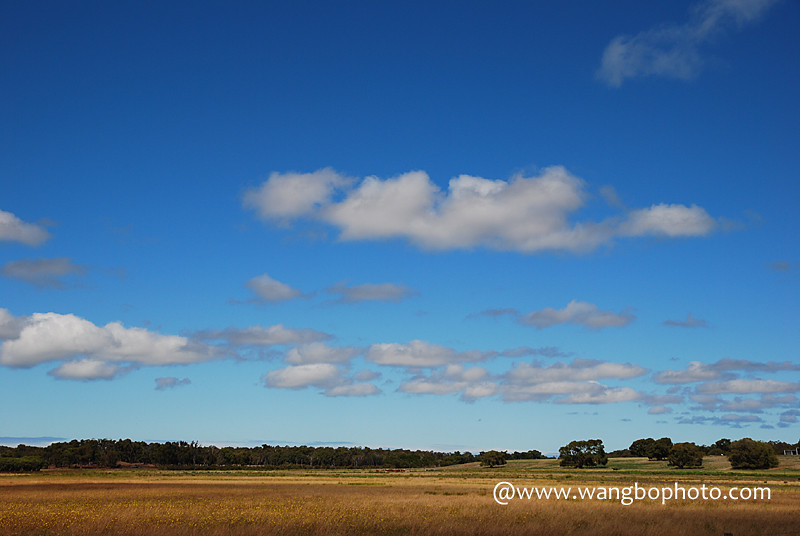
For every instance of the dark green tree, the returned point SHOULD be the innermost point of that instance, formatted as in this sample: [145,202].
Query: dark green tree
[588,453]
[749,454]
[659,449]
[641,447]
[685,455]
[492,458]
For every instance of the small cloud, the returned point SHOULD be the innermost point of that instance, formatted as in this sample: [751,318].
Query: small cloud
[86,369]
[690,322]
[420,354]
[544,351]
[577,312]
[13,229]
[659,410]
[271,290]
[276,335]
[43,273]
[302,376]
[747,387]
[780,266]
[385,292]
[162,384]
[317,352]
[353,389]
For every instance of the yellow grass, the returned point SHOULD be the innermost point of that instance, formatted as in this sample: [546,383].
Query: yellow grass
[443,501]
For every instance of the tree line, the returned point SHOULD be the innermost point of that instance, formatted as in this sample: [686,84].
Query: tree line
[183,454]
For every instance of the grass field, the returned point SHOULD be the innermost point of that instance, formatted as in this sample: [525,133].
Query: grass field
[452,500]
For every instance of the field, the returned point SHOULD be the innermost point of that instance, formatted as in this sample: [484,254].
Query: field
[452,500]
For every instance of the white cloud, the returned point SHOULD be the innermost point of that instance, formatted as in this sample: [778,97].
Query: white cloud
[472,383]
[668,220]
[276,335]
[526,214]
[317,352]
[10,326]
[578,370]
[272,290]
[86,369]
[659,410]
[42,272]
[12,229]
[323,375]
[695,372]
[388,292]
[607,395]
[289,195]
[576,312]
[301,376]
[419,354]
[55,337]
[353,389]
[748,387]
[674,51]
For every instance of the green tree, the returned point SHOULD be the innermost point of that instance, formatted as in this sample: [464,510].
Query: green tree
[685,455]
[749,454]
[588,453]
[492,458]
[641,447]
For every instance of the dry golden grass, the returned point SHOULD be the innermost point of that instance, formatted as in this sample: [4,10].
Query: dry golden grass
[446,501]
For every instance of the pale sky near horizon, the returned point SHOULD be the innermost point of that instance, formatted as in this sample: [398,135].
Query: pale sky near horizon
[438,225]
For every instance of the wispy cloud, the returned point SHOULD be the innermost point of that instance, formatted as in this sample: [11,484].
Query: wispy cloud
[577,312]
[675,50]
[162,384]
[271,290]
[384,292]
[690,322]
[276,335]
[420,354]
[13,229]
[525,214]
[43,273]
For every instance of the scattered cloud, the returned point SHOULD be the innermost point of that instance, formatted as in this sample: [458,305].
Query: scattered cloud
[696,371]
[576,312]
[353,389]
[276,335]
[690,322]
[675,50]
[271,290]
[386,292]
[748,387]
[659,410]
[317,352]
[525,214]
[13,229]
[162,384]
[328,377]
[420,354]
[43,273]
[544,351]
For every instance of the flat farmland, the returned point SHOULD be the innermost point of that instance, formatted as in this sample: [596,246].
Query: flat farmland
[452,500]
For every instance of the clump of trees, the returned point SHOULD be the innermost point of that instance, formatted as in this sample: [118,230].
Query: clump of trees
[749,454]
[685,455]
[653,449]
[492,458]
[580,454]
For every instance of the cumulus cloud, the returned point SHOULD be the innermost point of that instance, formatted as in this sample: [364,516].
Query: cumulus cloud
[55,337]
[674,51]
[276,335]
[10,326]
[289,195]
[576,312]
[13,229]
[690,322]
[420,354]
[317,352]
[472,383]
[526,214]
[386,292]
[86,369]
[162,384]
[43,273]
[748,387]
[322,375]
[271,290]
[578,370]
[696,371]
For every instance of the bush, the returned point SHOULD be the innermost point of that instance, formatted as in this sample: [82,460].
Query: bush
[685,455]
[749,454]
[20,464]
[589,453]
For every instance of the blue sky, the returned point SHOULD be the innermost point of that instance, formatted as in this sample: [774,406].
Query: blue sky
[444,225]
